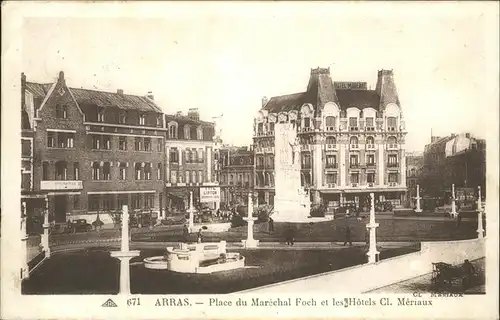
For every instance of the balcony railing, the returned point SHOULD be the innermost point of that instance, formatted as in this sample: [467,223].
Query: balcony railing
[393,184]
[354,165]
[306,166]
[61,185]
[305,147]
[306,129]
[393,165]
[331,165]
[270,133]
[369,128]
[354,147]
[331,185]
[371,165]
[370,184]
[370,147]
[353,128]
[391,128]
[331,147]
[330,128]
[392,146]
[354,184]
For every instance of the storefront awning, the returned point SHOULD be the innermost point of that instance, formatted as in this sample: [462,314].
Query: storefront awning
[181,194]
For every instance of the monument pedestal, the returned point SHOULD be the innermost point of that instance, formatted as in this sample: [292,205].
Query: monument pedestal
[250,242]
[125,268]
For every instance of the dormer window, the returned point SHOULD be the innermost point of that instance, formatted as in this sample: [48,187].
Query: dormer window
[353,124]
[122,117]
[391,123]
[142,119]
[369,123]
[330,123]
[100,114]
[172,130]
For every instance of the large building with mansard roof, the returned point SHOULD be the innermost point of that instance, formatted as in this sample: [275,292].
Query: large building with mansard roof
[352,140]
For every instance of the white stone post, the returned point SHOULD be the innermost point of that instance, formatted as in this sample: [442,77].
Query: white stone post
[480,229]
[250,242]
[24,244]
[372,226]
[125,254]
[453,212]
[191,212]
[418,199]
[46,226]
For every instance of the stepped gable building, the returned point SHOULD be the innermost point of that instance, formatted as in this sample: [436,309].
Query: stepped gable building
[90,151]
[236,174]
[352,140]
[190,159]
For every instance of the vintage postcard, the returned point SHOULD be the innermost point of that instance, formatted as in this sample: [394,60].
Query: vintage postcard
[249,160]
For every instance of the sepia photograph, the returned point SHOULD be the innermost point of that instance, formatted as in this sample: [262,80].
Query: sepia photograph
[194,154]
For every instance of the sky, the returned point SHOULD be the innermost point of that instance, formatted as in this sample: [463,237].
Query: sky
[223,59]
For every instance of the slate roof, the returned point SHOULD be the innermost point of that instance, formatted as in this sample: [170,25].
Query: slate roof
[37,89]
[287,102]
[108,99]
[184,119]
[358,98]
[100,98]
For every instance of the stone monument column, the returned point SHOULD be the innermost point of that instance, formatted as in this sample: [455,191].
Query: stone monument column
[250,242]
[417,198]
[453,212]
[372,226]
[191,212]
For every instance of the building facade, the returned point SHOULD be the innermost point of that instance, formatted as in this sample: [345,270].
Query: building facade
[352,140]
[190,159]
[92,151]
[236,174]
[458,159]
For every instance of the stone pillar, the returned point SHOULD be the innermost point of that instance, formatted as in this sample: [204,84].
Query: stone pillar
[250,242]
[480,229]
[24,244]
[191,212]
[125,254]
[46,226]
[453,212]
[417,199]
[372,226]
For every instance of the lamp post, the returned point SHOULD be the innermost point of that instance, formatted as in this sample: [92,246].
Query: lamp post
[480,229]
[372,226]
[191,212]
[417,198]
[250,242]
[125,254]
[453,212]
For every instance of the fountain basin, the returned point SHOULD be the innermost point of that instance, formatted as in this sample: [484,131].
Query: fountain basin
[196,258]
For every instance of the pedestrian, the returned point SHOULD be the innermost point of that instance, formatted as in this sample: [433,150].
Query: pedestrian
[290,236]
[348,236]
[185,233]
[469,272]
[200,236]
[271,225]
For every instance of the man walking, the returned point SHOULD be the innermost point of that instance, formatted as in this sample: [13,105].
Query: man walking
[348,236]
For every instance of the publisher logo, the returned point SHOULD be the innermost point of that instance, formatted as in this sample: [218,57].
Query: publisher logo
[109,303]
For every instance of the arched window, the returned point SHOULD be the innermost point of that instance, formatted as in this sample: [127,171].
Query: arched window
[331,141]
[137,171]
[391,140]
[61,170]
[199,133]
[330,123]
[188,155]
[172,130]
[187,176]
[187,132]
[266,179]
[147,171]
[391,123]
[370,140]
[353,141]
[95,171]
[106,171]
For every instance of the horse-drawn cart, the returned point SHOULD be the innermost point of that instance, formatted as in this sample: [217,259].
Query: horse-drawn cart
[445,274]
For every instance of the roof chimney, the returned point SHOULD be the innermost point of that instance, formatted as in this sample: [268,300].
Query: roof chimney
[120,92]
[150,95]
[61,75]
[194,114]
[178,114]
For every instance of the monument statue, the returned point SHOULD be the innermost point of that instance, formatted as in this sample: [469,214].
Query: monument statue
[295,146]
